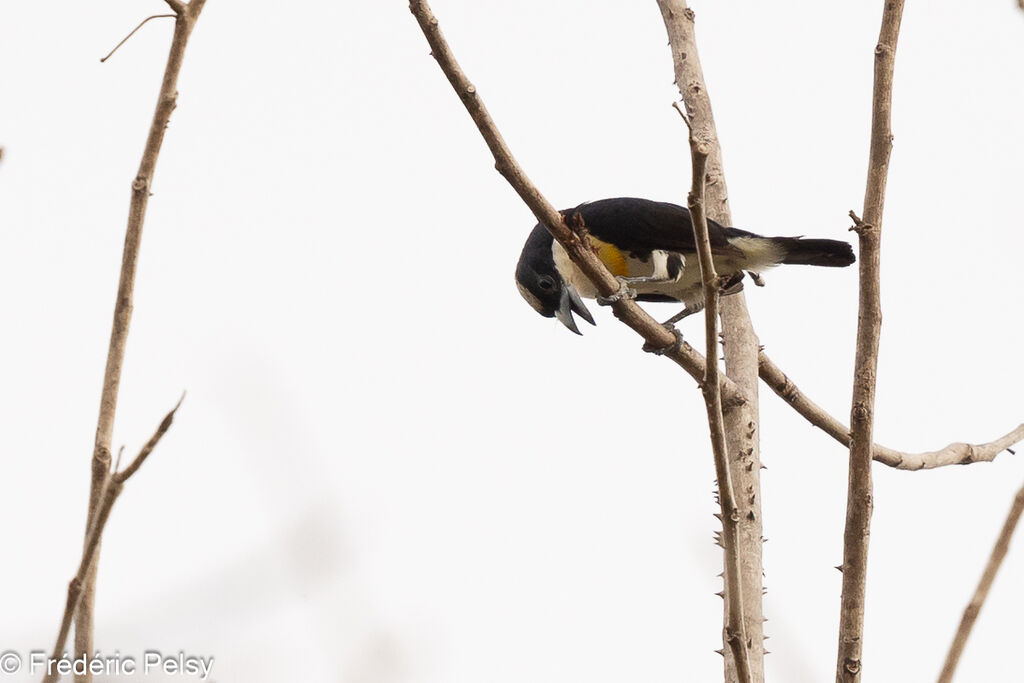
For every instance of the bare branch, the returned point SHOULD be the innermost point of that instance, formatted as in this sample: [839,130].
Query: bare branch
[140,191]
[869,322]
[953,454]
[981,592]
[735,632]
[141,24]
[740,343]
[87,564]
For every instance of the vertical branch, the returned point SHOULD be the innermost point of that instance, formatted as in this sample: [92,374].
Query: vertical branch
[869,322]
[981,592]
[186,16]
[741,348]
[734,632]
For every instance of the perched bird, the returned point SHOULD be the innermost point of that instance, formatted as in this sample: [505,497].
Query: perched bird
[650,247]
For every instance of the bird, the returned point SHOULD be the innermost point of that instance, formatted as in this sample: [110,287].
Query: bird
[650,247]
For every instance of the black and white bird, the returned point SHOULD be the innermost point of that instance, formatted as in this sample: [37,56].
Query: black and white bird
[650,246]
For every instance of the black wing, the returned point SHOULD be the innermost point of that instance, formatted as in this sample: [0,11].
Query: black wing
[641,226]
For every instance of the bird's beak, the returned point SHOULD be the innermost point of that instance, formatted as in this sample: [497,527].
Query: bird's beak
[569,304]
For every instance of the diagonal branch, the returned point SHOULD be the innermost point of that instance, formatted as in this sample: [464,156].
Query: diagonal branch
[655,335]
[981,592]
[953,454]
[186,16]
[86,566]
[735,631]
[869,324]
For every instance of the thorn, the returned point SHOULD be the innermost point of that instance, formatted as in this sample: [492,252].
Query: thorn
[720,594]
[767,652]
[840,568]
[765,637]
[721,652]
[720,575]
[1011,451]
[750,515]
[764,591]
[763,466]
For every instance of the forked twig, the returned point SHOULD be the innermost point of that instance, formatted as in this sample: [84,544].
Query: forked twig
[115,484]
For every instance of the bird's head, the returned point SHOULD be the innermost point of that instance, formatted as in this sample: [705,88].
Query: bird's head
[543,286]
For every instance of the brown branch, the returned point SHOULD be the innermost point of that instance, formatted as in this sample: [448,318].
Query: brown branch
[954,454]
[735,633]
[741,347]
[869,323]
[655,335]
[186,16]
[87,564]
[981,592]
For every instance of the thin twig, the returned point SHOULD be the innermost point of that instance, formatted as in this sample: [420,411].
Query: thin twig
[869,322]
[141,24]
[655,335]
[186,16]
[953,454]
[740,345]
[735,633]
[981,592]
[86,565]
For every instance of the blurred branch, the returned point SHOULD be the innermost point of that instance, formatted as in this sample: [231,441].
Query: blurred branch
[849,663]
[981,592]
[185,19]
[86,566]
[954,454]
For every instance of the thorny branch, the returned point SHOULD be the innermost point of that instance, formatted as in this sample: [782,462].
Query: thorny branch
[741,420]
[981,592]
[869,324]
[185,19]
[735,632]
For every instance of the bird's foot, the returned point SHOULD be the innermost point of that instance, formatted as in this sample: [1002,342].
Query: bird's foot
[625,292]
[674,346]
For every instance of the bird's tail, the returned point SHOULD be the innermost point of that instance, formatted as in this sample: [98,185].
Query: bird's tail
[815,252]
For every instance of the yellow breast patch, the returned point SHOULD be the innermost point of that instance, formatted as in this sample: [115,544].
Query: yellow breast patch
[610,256]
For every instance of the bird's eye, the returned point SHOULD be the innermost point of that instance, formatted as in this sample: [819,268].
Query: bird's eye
[546,283]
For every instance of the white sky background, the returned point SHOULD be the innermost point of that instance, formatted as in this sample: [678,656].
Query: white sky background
[388,468]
